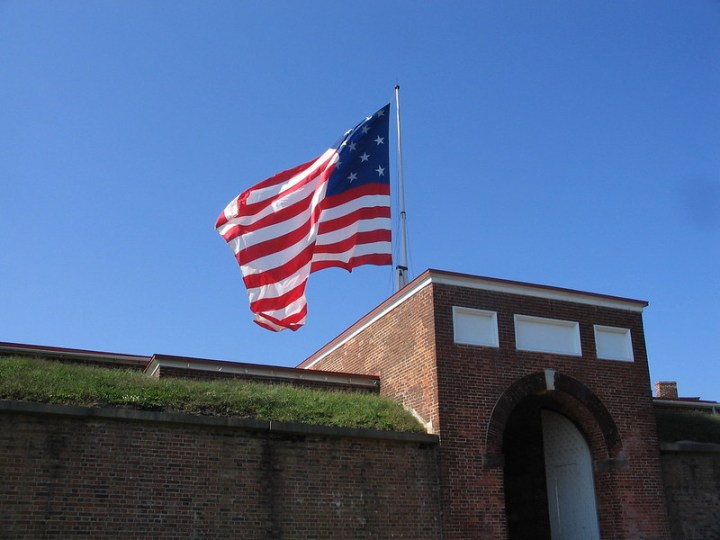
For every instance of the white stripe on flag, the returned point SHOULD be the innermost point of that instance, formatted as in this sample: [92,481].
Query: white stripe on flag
[374,248]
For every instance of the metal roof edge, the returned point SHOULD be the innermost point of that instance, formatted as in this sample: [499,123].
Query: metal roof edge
[539,291]
[680,403]
[63,352]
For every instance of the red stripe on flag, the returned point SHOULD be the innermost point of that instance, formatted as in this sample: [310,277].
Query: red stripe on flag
[247,209]
[368,237]
[355,193]
[273,304]
[348,219]
[279,178]
[374,259]
[268,247]
[273,275]
[253,208]
[284,214]
[291,322]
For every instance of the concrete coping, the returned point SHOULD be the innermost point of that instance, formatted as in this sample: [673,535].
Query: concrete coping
[232,422]
[689,446]
[259,371]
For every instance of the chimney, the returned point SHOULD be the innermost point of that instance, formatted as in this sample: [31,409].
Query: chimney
[666,390]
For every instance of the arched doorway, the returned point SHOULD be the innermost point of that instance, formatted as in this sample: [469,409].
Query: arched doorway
[548,476]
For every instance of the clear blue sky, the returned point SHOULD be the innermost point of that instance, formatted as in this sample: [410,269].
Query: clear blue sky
[564,143]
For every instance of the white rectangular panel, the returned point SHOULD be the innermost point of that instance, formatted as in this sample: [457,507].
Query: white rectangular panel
[547,335]
[613,343]
[475,326]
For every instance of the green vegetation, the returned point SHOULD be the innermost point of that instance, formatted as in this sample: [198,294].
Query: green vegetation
[54,382]
[688,426]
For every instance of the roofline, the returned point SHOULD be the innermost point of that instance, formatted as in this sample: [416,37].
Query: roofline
[443,277]
[713,405]
[83,354]
[258,370]
[539,291]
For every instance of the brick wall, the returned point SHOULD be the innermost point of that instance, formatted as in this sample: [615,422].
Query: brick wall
[468,392]
[691,472]
[69,472]
[401,349]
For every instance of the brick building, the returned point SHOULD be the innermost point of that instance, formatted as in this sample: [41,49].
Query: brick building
[540,397]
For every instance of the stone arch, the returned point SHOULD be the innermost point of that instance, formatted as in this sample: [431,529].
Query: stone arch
[566,395]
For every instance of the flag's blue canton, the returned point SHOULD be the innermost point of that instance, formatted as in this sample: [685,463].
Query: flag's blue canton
[363,155]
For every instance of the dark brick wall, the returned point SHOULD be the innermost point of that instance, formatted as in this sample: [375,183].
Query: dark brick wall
[89,477]
[469,391]
[692,484]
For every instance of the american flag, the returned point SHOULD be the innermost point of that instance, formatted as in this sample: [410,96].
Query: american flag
[331,211]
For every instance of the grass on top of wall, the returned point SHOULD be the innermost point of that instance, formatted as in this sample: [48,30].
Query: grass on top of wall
[676,426]
[42,381]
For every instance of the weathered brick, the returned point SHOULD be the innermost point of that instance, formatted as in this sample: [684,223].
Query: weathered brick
[468,392]
[84,477]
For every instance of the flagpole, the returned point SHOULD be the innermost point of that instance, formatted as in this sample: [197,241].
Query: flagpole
[402,267]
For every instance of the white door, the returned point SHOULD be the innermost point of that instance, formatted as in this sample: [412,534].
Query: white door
[569,475]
